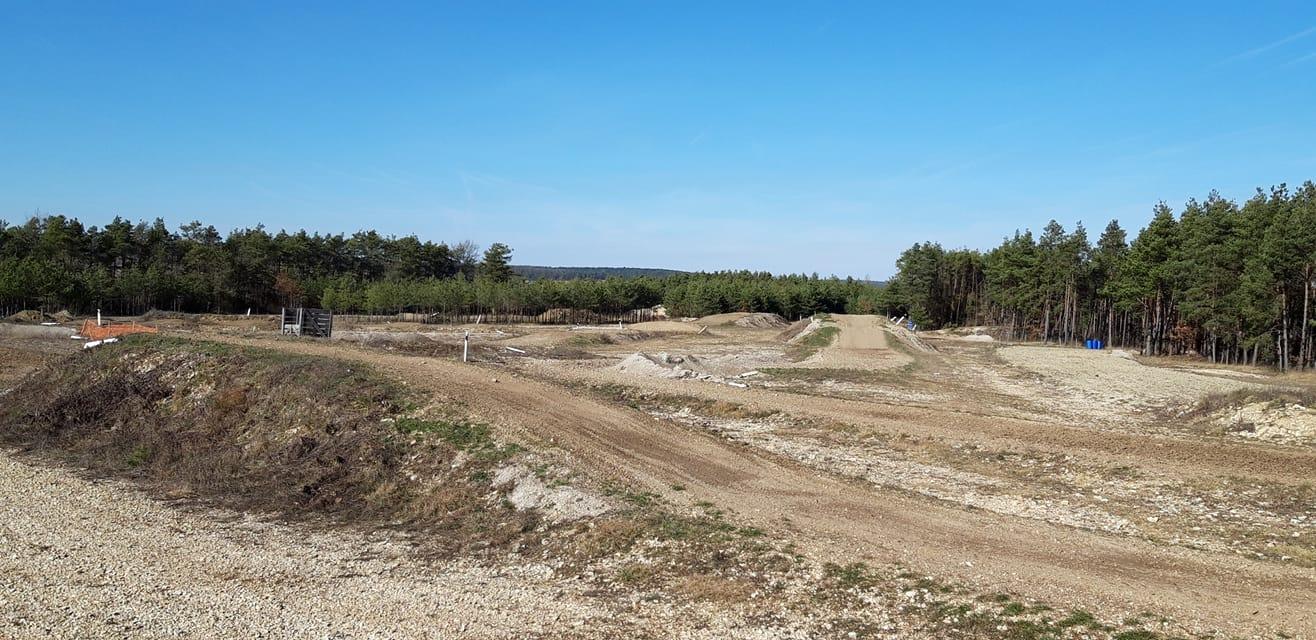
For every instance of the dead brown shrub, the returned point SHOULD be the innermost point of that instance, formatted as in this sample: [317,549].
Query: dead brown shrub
[715,589]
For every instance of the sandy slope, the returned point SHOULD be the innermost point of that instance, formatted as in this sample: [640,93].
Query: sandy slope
[860,332]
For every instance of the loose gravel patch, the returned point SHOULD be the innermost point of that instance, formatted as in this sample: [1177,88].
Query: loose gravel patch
[82,558]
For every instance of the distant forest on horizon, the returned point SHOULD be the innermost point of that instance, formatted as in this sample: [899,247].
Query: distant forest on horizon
[532,272]
[56,262]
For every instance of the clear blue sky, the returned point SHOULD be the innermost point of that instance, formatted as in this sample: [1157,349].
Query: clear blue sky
[782,136]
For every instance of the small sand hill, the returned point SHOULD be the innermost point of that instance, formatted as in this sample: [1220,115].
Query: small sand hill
[669,326]
[746,320]
[27,316]
[799,329]
[721,319]
[762,321]
[661,365]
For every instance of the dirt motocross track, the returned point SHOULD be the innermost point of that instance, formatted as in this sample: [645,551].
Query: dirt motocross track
[836,517]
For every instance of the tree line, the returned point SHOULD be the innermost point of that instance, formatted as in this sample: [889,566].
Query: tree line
[55,262]
[1231,283]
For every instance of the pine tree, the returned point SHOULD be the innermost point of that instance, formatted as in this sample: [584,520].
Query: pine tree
[495,266]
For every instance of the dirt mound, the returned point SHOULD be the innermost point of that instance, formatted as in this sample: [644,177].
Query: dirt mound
[289,434]
[762,321]
[1284,416]
[722,319]
[794,330]
[668,326]
[157,314]
[744,319]
[1281,422]
[661,365]
[27,316]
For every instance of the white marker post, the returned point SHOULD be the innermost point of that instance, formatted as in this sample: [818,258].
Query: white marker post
[466,345]
[98,317]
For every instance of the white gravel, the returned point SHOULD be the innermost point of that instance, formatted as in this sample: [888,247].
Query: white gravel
[82,558]
[92,558]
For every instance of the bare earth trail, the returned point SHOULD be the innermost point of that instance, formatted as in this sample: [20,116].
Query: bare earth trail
[859,333]
[1180,456]
[843,521]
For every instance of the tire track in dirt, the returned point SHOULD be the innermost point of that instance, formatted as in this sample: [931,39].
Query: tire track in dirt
[1185,457]
[841,521]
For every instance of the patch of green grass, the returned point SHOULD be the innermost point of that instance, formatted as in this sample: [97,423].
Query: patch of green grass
[640,499]
[138,456]
[855,575]
[590,340]
[1078,618]
[464,435]
[811,343]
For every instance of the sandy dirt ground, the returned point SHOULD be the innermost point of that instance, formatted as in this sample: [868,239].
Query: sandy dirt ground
[1056,473]
[834,517]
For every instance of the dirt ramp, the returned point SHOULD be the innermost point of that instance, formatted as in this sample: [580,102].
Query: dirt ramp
[762,321]
[860,332]
[794,330]
[668,326]
[745,320]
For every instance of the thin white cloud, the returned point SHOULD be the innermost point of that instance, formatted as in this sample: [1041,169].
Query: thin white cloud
[1301,59]
[1252,53]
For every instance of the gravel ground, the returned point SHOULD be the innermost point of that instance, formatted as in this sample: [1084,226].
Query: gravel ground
[94,558]
[1103,378]
[82,558]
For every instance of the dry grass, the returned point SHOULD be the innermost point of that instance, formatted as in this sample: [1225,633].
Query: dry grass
[708,588]
[590,340]
[1278,396]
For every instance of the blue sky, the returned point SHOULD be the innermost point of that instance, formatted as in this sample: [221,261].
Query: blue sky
[782,136]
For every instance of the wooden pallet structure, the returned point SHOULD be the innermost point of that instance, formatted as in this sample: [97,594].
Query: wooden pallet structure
[301,321]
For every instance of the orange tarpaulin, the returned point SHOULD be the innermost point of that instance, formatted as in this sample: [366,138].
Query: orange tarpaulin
[92,332]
